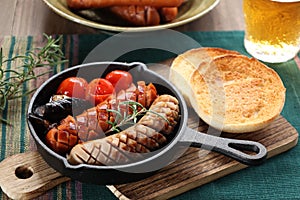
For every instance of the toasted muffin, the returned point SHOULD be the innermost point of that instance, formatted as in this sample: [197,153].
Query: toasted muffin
[185,64]
[234,93]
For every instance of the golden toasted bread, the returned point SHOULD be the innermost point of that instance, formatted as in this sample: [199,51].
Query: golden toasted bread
[234,93]
[185,64]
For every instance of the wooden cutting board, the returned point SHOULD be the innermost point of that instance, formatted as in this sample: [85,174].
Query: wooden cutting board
[193,169]
[25,176]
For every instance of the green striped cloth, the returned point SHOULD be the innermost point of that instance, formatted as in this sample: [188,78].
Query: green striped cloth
[278,178]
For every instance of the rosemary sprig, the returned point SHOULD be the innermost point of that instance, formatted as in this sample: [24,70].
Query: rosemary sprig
[122,119]
[12,81]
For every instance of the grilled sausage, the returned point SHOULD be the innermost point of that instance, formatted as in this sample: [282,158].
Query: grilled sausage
[93,123]
[137,15]
[168,14]
[167,108]
[88,4]
[130,144]
[144,15]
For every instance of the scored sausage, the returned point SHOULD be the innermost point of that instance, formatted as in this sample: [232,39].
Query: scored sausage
[137,15]
[89,4]
[168,14]
[144,15]
[147,135]
[94,122]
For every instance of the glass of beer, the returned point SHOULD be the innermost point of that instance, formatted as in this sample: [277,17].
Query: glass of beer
[272,31]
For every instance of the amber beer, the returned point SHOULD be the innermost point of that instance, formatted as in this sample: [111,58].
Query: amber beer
[272,31]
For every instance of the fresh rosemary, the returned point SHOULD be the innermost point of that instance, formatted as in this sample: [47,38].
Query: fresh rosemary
[125,118]
[12,81]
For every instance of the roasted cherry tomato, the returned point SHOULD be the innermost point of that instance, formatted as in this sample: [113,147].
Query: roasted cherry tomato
[73,87]
[98,90]
[119,79]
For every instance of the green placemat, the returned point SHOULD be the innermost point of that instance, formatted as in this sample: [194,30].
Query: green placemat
[278,178]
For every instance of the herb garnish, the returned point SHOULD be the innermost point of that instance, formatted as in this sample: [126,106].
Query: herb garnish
[11,87]
[125,118]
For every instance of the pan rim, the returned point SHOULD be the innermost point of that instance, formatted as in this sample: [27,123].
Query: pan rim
[175,140]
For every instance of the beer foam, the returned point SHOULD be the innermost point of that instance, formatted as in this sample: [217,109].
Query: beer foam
[286,1]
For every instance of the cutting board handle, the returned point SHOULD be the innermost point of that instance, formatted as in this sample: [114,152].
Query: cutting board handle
[27,175]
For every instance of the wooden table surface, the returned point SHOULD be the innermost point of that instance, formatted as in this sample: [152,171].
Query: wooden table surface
[33,17]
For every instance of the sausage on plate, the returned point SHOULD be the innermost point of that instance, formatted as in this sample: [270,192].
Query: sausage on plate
[90,4]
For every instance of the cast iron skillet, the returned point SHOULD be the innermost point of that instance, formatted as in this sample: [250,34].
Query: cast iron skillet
[183,136]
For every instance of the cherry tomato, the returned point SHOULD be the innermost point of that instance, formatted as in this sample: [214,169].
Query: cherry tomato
[73,87]
[119,79]
[98,90]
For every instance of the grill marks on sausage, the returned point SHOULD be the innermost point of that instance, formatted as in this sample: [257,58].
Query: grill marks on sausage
[64,137]
[144,15]
[167,107]
[137,15]
[148,135]
[92,4]
[93,123]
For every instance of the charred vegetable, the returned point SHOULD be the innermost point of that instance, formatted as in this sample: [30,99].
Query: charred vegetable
[60,106]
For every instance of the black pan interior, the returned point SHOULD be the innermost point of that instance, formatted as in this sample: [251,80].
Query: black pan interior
[89,72]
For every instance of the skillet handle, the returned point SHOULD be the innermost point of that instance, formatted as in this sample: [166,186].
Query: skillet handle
[232,148]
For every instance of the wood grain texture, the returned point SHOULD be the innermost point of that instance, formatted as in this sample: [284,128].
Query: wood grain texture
[193,169]
[197,167]
[33,17]
[7,12]
[27,175]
